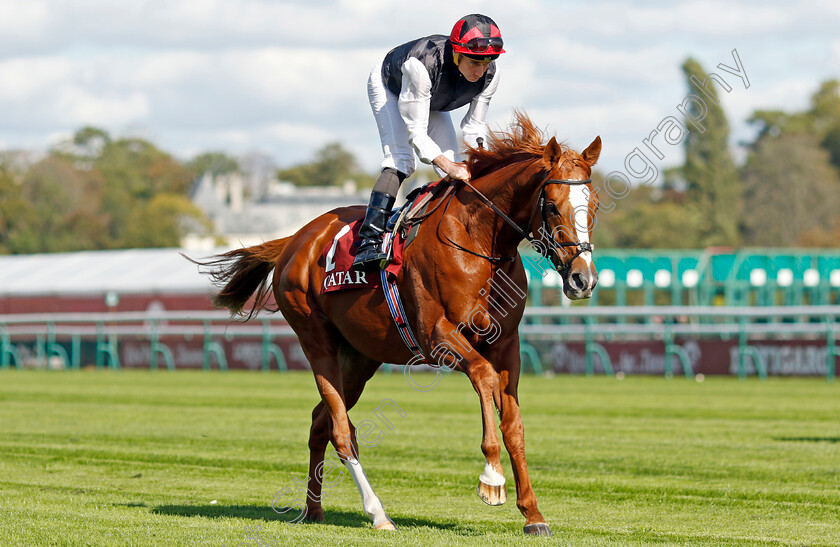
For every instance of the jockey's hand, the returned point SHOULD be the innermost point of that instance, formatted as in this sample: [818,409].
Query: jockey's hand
[457,171]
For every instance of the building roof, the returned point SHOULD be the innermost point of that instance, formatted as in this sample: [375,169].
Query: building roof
[98,272]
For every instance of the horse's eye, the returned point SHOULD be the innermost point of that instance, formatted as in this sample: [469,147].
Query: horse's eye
[552,208]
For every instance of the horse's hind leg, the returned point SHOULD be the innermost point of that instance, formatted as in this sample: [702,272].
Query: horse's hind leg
[319,436]
[340,382]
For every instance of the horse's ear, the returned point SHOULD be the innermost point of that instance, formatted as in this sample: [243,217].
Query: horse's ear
[590,155]
[552,154]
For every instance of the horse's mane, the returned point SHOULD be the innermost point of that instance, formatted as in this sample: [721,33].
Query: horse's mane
[523,140]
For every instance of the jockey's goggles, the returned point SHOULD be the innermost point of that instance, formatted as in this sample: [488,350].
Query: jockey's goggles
[482,45]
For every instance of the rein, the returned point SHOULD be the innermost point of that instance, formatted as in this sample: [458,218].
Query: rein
[581,247]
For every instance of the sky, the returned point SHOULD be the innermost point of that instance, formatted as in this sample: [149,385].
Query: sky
[284,78]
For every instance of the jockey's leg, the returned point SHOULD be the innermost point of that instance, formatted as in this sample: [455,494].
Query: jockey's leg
[373,227]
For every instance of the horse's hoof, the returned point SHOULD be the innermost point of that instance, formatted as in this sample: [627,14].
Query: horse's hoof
[492,495]
[387,525]
[315,515]
[538,529]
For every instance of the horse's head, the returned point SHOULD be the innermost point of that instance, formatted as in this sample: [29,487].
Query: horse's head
[567,205]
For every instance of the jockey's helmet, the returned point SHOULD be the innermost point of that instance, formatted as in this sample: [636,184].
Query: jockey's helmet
[477,37]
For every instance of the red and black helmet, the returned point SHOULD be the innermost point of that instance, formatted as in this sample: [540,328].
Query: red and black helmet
[477,36]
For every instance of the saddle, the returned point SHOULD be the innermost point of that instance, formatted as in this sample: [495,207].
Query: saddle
[405,220]
[401,229]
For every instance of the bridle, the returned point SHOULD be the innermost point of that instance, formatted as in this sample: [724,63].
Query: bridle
[542,204]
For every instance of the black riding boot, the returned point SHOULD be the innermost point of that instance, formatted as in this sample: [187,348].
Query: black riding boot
[372,230]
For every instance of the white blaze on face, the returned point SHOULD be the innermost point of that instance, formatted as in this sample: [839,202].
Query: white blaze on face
[579,199]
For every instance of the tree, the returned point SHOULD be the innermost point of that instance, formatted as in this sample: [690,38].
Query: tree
[714,192]
[790,191]
[332,166]
[18,221]
[215,163]
[158,222]
[649,218]
[825,111]
[95,192]
[65,201]
[134,172]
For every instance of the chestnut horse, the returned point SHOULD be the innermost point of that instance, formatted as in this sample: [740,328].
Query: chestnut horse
[520,186]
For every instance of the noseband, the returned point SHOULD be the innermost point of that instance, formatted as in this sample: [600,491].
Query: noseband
[542,203]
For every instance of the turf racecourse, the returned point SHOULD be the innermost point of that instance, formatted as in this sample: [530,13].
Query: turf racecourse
[188,458]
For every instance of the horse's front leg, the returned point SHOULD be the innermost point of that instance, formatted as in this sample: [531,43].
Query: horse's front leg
[513,433]
[491,483]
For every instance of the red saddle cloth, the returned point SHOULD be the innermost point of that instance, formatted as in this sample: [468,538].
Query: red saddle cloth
[338,256]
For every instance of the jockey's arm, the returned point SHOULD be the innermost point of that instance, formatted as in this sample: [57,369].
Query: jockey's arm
[474,123]
[455,170]
[414,103]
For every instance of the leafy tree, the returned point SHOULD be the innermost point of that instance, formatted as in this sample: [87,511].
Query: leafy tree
[158,222]
[826,113]
[96,192]
[331,166]
[135,171]
[791,176]
[89,141]
[65,201]
[648,217]
[18,221]
[215,163]
[713,191]
[826,105]
[790,190]
[771,123]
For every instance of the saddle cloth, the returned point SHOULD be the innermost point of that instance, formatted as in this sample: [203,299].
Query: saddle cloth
[337,257]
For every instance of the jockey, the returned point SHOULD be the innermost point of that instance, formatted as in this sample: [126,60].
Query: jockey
[411,93]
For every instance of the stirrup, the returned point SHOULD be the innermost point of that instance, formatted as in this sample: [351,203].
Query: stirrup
[369,254]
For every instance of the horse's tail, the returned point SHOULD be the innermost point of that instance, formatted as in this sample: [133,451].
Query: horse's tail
[243,273]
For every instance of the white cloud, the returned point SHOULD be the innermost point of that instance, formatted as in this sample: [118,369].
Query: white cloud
[834,62]
[22,18]
[77,106]
[649,64]
[788,95]
[168,68]
[713,17]
[289,76]
[24,77]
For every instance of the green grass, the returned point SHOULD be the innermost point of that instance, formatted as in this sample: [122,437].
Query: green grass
[136,458]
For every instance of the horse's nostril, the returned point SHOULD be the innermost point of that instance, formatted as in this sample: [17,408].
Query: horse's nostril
[577,282]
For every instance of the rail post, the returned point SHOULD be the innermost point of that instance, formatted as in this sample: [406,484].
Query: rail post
[526,349]
[8,352]
[593,347]
[53,348]
[157,348]
[745,350]
[269,348]
[675,350]
[831,352]
[211,347]
[106,348]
